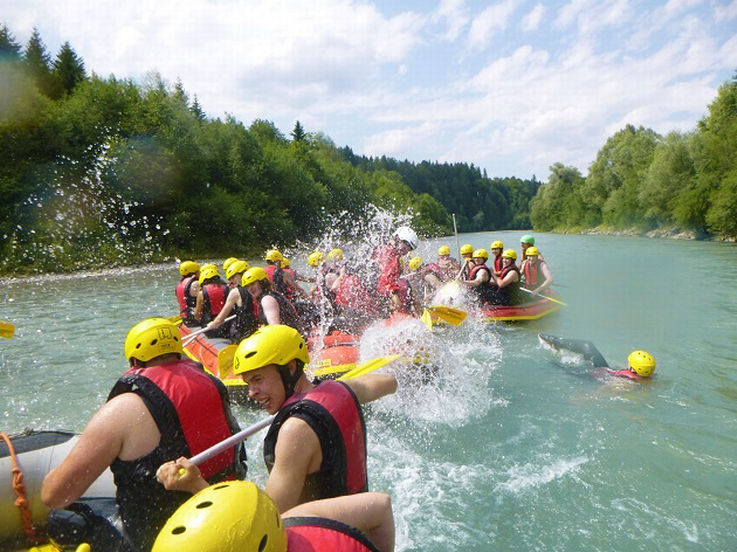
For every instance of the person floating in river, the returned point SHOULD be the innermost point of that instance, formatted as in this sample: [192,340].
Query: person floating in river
[640,364]
[360,523]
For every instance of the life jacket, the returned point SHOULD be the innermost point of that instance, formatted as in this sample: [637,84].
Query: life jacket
[333,412]
[390,269]
[511,294]
[246,321]
[215,295]
[316,534]
[186,301]
[191,410]
[287,313]
[484,292]
[351,293]
[627,374]
[498,264]
[434,268]
[531,274]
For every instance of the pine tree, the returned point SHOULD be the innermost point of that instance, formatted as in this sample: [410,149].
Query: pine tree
[38,63]
[197,110]
[9,48]
[298,133]
[68,69]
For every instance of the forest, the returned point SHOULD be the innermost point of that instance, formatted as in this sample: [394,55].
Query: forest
[99,172]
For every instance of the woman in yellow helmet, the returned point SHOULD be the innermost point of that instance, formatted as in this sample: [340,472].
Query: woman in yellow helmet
[466,261]
[508,281]
[448,267]
[640,364]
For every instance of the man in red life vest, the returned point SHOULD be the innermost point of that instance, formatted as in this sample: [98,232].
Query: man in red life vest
[282,280]
[448,267]
[357,523]
[211,299]
[496,250]
[316,445]
[387,258]
[187,290]
[479,278]
[466,260]
[536,272]
[159,410]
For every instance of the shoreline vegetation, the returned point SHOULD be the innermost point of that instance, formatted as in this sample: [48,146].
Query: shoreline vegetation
[107,172]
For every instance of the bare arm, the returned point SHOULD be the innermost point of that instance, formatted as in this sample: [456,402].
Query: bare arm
[371,513]
[510,278]
[100,443]
[292,283]
[372,386]
[296,454]
[233,298]
[199,306]
[548,278]
[270,306]
[481,278]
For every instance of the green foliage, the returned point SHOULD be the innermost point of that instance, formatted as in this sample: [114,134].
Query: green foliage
[68,69]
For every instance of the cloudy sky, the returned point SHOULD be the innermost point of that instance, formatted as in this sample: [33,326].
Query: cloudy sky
[512,86]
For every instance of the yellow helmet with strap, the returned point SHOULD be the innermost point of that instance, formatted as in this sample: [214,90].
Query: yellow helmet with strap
[151,338]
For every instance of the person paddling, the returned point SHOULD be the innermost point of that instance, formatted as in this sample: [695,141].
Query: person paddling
[240,303]
[187,291]
[466,261]
[162,408]
[536,272]
[239,517]
[388,259]
[316,445]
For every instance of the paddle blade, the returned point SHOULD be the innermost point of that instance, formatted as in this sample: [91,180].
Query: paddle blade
[426,318]
[175,319]
[448,314]
[225,361]
[369,366]
[7,329]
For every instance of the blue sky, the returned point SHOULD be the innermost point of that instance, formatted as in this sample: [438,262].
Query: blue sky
[511,86]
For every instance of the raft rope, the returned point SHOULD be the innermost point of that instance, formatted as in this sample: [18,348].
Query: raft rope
[20,489]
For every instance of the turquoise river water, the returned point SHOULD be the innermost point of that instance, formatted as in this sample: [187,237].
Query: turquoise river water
[508,446]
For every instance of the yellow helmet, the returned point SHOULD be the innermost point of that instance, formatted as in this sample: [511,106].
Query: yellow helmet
[226,517]
[466,249]
[532,251]
[642,363]
[236,268]
[274,344]
[335,254]
[481,253]
[207,272]
[315,259]
[151,338]
[188,267]
[497,245]
[273,255]
[253,274]
[415,263]
[510,254]
[227,262]
[443,250]
[285,262]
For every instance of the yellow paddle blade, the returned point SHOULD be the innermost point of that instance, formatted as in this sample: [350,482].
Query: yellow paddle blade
[327,370]
[225,361]
[7,329]
[426,318]
[448,314]
[369,366]
[175,319]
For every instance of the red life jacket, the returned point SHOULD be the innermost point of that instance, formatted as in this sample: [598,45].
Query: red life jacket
[498,264]
[315,534]
[333,412]
[531,274]
[269,269]
[477,268]
[186,301]
[627,374]
[390,269]
[191,411]
[215,294]
[353,294]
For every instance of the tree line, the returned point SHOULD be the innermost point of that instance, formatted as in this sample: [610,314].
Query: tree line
[683,181]
[101,172]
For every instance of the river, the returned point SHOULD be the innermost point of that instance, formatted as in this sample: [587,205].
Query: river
[508,446]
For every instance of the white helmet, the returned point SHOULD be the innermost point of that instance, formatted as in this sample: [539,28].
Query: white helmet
[406,234]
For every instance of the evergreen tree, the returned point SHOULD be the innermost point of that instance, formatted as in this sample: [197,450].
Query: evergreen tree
[38,63]
[298,132]
[9,48]
[197,110]
[68,69]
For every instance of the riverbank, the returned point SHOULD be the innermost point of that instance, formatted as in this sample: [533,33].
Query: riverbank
[671,233]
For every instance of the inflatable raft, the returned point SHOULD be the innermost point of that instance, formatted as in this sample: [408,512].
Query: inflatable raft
[36,454]
[531,310]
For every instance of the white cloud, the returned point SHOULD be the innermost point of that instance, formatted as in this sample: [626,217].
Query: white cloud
[590,17]
[726,13]
[493,19]
[455,14]
[531,21]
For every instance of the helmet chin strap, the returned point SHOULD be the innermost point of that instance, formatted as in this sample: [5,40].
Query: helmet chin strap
[290,380]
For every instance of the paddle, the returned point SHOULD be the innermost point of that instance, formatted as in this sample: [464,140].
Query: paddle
[258,426]
[546,297]
[447,314]
[455,231]
[426,318]
[7,329]
[194,334]
[225,360]
[175,319]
